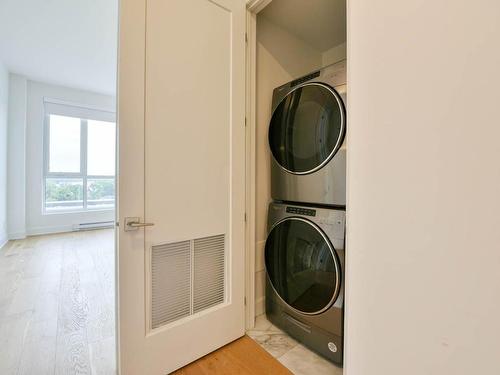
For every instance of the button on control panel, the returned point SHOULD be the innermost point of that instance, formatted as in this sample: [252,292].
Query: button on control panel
[306,78]
[301,211]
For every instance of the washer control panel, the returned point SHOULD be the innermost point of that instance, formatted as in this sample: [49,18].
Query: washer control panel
[300,211]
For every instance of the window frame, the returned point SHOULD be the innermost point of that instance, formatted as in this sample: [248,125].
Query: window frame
[84,114]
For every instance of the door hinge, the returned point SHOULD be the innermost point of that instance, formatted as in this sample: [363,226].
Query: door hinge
[246,38]
[245,300]
[245,121]
[245,217]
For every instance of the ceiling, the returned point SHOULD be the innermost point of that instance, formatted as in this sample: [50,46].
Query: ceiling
[67,42]
[320,23]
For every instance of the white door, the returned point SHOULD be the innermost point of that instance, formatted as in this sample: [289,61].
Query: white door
[181,101]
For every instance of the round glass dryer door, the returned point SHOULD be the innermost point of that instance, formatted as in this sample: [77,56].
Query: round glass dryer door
[302,266]
[307,128]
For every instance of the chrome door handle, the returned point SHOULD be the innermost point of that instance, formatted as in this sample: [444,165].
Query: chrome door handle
[134,223]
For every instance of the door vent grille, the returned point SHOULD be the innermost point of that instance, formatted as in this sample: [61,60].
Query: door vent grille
[208,285]
[170,282]
[186,277]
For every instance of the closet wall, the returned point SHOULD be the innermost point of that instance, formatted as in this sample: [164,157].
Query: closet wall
[281,57]
[334,54]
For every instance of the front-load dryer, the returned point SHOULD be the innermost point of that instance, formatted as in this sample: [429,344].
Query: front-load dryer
[306,138]
[304,258]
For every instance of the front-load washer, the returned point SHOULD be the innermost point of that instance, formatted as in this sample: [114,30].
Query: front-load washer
[306,138]
[304,258]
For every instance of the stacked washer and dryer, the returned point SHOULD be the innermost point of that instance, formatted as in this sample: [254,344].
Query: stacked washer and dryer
[304,252]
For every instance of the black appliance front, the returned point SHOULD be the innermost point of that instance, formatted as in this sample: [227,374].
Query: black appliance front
[307,128]
[303,283]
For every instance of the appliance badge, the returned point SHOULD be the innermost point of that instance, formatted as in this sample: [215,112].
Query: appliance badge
[332,347]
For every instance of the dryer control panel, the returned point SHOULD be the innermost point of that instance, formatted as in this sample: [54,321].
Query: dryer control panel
[300,211]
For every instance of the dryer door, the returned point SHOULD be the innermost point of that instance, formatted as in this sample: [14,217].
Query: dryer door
[302,265]
[307,128]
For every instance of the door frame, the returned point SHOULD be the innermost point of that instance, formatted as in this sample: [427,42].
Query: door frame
[253,8]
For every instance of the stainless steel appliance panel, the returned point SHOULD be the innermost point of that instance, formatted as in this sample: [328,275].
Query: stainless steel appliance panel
[307,138]
[304,267]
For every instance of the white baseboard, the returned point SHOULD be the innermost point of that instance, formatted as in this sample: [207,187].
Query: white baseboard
[260,306]
[36,231]
[17,236]
[3,241]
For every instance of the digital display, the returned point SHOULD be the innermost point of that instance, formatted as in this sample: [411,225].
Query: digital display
[301,211]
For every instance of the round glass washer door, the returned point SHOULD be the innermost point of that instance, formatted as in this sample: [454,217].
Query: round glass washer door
[302,265]
[307,128]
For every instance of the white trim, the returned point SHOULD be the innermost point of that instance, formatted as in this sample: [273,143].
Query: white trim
[37,231]
[253,307]
[255,6]
[78,105]
[260,306]
[79,112]
[3,242]
[250,172]
[17,236]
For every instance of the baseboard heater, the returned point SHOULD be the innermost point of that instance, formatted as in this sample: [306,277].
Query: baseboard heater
[91,226]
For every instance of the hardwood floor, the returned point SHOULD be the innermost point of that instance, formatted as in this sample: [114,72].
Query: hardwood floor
[243,357]
[57,305]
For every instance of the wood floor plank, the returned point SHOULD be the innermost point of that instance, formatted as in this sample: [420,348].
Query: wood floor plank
[12,338]
[241,357]
[73,307]
[103,357]
[101,318]
[39,351]
[57,304]
[72,356]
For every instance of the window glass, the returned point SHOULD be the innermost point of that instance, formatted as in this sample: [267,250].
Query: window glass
[100,193]
[101,148]
[64,144]
[63,194]
[80,162]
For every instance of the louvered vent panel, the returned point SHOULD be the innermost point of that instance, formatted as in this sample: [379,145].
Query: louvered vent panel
[209,271]
[171,282]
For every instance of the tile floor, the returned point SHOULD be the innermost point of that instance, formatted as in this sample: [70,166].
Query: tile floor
[297,358]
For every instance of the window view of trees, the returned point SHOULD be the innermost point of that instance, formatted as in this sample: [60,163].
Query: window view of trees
[101,189]
[58,190]
[63,193]
[100,192]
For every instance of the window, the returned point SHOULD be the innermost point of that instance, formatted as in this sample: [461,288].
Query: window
[79,163]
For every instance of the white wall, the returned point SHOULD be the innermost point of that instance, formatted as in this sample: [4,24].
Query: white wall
[281,57]
[16,176]
[57,222]
[4,89]
[334,54]
[423,251]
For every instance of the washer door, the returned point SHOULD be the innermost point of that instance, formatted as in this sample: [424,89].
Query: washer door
[302,265]
[307,128]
